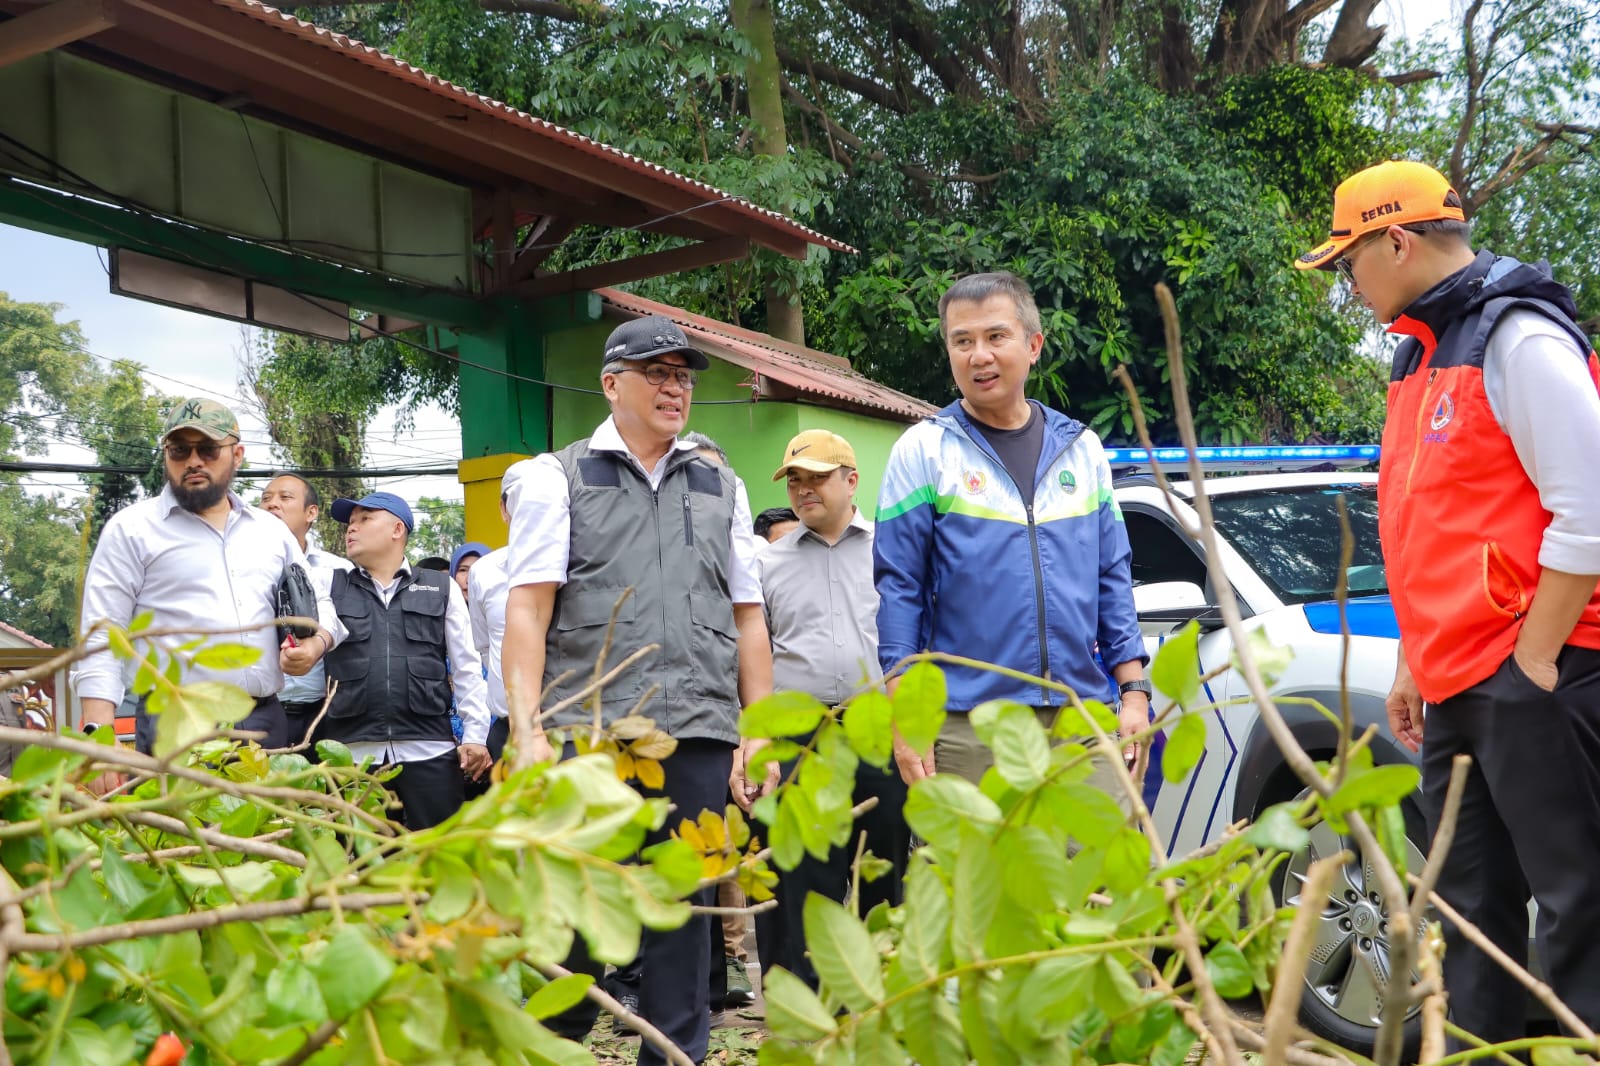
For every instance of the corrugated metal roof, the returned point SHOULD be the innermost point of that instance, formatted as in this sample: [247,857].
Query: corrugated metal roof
[521,120]
[826,377]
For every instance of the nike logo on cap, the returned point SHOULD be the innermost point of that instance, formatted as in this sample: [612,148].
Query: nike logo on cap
[798,450]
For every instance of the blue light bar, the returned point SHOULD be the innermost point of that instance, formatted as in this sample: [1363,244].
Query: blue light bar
[1250,457]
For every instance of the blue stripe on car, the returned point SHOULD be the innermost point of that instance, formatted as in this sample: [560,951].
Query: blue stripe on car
[1370,616]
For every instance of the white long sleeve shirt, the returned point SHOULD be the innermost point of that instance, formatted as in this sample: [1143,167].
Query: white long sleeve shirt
[155,556]
[487,589]
[312,687]
[1538,386]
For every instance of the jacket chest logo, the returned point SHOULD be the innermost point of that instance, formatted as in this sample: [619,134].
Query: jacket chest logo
[1443,413]
[975,481]
[1068,481]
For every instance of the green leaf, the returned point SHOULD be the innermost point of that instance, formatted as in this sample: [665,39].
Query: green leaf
[975,895]
[937,807]
[1054,993]
[1271,659]
[333,753]
[782,714]
[868,726]
[841,949]
[1175,671]
[1230,971]
[351,971]
[927,923]
[1069,724]
[1185,745]
[1127,862]
[141,621]
[36,765]
[1381,786]
[793,1010]
[292,995]
[1560,1056]
[194,710]
[1391,827]
[1033,867]
[930,1029]
[872,1041]
[559,995]
[455,889]
[1012,732]
[122,882]
[1277,828]
[677,863]
[919,700]
[227,656]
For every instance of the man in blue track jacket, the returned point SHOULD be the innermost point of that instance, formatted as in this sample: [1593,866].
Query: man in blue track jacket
[998,539]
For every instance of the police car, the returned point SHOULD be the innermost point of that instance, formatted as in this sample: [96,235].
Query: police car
[1280,547]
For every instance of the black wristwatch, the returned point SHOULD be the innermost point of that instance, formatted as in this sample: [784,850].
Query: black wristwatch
[1136,686]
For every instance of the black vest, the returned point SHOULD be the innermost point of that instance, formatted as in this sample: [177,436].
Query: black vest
[391,666]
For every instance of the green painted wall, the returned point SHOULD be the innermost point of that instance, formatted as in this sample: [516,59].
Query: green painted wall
[753,435]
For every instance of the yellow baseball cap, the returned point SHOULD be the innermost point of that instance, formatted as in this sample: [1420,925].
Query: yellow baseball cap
[818,451]
[1389,194]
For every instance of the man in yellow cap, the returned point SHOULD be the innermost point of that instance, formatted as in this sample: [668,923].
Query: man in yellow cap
[822,612]
[1491,540]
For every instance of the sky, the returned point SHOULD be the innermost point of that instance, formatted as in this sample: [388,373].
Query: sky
[192,354]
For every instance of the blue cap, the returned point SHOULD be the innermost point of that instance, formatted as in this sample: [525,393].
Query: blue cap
[471,547]
[374,501]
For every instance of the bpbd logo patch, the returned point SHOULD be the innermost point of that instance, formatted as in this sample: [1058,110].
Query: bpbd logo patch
[1068,480]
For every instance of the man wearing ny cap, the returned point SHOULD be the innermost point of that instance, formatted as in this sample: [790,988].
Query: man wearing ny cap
[822,610]
[635,507]
[1491,541]
[200,560]
[396,627]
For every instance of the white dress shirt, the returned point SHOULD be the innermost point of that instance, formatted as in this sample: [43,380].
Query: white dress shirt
[466,674]
[155,556]
[541,519]
[487,590]
[312,687]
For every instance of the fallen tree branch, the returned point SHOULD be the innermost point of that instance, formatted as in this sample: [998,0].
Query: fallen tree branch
[649,1033]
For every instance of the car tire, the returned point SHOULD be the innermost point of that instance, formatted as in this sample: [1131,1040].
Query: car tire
[1348,971]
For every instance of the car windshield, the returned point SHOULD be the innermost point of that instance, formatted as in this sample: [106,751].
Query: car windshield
[1291,538]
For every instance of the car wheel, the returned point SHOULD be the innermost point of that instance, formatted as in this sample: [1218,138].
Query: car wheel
[1348,974]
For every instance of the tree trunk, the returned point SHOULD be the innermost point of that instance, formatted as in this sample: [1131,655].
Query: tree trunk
[1353,42]
[763,81]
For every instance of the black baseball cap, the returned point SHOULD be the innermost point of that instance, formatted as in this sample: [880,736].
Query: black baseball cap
[648,337]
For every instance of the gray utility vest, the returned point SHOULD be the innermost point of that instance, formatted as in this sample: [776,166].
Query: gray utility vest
[673,547]
[391,667]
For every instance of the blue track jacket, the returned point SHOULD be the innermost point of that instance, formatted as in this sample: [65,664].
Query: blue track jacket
[963,567]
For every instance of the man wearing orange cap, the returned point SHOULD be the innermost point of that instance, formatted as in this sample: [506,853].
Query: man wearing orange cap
[822,612]
[1491,539]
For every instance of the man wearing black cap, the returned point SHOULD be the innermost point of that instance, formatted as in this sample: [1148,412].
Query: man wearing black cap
[199,559]
[635,507]
[397,625]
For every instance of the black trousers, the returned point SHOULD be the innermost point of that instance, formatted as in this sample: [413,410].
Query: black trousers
[299,717]
[430,790]
[267,717]
[780,932]
[675,965]
[1529,826]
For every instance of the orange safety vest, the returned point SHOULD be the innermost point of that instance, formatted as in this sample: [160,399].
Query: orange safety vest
[1460,521]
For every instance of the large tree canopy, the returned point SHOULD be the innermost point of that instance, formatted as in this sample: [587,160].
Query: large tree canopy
[53,390]
[1096,149]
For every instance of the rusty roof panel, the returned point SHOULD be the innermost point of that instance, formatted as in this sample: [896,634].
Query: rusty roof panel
[552,135]
[812,372]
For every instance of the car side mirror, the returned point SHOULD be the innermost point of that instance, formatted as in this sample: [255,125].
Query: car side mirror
[1165,605]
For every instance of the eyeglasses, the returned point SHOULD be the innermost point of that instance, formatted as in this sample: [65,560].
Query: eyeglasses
[178,451]
[658,373]
[1345,264]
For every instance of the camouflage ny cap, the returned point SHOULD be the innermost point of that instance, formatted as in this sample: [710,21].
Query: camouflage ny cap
[208,416]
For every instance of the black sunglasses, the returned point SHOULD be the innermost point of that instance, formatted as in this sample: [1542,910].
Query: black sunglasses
[178,451]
